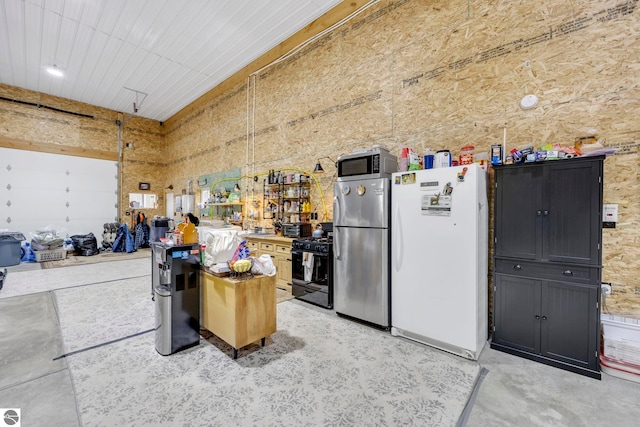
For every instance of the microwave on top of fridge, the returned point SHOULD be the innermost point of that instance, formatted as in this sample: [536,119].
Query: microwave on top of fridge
[375,162]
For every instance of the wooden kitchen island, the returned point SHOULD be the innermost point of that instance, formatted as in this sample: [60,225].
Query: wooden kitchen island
[239,311]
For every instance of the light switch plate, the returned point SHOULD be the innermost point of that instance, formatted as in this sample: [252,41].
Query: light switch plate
[610,213]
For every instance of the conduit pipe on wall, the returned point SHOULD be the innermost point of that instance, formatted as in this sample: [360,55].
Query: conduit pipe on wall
[120,130]
[252,105]
[120,124]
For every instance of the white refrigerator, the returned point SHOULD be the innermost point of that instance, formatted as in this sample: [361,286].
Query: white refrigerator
[439,257]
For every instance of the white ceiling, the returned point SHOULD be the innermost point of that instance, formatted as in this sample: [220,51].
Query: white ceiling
[174,51]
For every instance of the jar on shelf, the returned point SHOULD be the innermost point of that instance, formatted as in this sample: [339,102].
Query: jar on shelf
[466,155]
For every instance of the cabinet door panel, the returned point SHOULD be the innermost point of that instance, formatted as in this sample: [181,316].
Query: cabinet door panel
[518,217]
[569,314]
[283,268]
[572,222]
[516,305]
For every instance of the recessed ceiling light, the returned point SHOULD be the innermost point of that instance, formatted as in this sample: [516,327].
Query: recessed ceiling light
[55,71]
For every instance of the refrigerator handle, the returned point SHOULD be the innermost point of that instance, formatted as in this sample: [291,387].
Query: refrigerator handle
[336,216]
[396,234]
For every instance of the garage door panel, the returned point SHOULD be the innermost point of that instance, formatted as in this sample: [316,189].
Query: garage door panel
[75,195]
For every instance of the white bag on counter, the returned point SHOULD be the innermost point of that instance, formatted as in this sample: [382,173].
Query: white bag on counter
[220,245]
[263,265]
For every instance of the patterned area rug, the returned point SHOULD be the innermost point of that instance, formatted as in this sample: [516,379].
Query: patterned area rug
[33,281]
[316,370]
[101,257]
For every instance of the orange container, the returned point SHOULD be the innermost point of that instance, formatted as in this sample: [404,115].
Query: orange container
[466,154]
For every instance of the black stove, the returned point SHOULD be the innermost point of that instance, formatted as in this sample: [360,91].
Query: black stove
[313,244]
[312,269]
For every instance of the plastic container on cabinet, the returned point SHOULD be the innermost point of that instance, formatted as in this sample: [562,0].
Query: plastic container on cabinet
[442,159]
[466,155]
[428,158]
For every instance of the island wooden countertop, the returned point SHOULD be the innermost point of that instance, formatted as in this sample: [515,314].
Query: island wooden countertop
[269,237]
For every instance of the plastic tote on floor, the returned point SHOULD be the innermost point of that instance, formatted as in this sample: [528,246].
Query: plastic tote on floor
[10,249]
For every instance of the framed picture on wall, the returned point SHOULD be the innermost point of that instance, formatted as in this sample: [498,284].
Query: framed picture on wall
[144,186]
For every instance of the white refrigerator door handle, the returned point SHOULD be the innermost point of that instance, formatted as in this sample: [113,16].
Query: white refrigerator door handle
[397,247]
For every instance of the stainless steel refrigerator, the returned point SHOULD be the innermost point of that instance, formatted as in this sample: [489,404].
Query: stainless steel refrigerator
[361,239]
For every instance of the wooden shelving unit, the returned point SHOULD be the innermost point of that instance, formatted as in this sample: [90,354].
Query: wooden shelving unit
[233,207]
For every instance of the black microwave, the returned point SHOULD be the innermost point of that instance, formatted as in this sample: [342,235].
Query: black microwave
[363,164]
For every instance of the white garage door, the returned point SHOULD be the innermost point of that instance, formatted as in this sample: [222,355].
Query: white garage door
[74,195]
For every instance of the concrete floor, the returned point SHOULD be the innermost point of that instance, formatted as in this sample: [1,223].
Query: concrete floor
[515,391]
[520,392]
[30,378]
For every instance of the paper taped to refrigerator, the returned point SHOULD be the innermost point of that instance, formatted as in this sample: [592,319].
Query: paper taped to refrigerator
[436,205]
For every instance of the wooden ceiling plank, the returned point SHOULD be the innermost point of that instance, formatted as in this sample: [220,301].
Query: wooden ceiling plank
[333,16]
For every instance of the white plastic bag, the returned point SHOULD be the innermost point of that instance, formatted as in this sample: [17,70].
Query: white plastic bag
[263,265]
[220,246]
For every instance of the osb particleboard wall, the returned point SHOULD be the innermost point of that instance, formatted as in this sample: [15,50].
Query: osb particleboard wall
[144,161]
[94,136]
[443,74]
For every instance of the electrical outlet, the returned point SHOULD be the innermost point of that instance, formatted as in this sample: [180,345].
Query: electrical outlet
[606,288]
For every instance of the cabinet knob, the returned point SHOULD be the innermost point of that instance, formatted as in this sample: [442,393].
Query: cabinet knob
[546,212]
[517,267]
[538,212]
[537,317]
[567,273]
[544,317]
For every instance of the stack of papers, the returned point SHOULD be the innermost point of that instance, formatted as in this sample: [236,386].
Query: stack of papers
[221,267]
